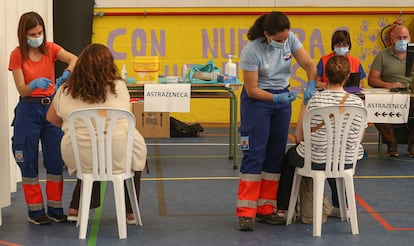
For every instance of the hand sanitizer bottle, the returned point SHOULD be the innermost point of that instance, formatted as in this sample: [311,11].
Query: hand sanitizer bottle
[230,69]
[184,73]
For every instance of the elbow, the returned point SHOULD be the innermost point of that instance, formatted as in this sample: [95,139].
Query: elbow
[50,120]
[249,93]
[372,83]
[54,121]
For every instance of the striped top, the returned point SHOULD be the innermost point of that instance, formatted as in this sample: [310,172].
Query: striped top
[319,139]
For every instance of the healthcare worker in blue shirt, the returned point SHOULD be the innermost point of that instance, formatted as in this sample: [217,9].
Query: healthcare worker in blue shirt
[265,114]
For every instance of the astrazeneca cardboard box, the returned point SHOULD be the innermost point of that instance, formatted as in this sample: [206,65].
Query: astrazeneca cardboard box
[151,124]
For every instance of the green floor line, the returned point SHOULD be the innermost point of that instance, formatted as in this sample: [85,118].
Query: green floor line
[93,237]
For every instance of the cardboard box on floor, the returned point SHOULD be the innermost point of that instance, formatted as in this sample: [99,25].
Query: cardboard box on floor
[151,124]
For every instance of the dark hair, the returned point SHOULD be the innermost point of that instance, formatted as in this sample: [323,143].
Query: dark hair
[93,75]
[29,21]
[272,23]
[341,36]
[337,69]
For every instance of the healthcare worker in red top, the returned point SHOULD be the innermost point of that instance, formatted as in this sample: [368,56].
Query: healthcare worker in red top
[32,64]
[340,45]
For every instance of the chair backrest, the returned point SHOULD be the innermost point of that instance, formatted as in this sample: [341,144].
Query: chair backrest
[338,129]
[99,125]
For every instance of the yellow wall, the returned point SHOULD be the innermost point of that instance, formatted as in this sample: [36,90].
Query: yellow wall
[179,40]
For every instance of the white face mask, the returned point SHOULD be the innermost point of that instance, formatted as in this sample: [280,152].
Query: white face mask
[35,42]
[276,45]
[341,51]
[401,45]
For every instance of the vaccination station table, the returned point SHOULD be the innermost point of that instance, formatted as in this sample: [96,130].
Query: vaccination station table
[209,91]
[384,106]
[387,107]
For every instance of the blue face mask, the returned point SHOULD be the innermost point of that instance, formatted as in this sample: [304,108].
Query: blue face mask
[276,45]
[341,51]
[401,45]
[35,42]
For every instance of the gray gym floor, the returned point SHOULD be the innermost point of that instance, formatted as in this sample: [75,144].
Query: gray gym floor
[189,198]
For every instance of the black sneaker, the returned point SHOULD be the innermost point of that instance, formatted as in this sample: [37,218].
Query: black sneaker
[39,220]
[246,224]
[273,219]
[57,217]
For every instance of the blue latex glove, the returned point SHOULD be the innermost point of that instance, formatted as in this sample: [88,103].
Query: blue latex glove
[41,82]
[285,97]
[59,81]
[310,90]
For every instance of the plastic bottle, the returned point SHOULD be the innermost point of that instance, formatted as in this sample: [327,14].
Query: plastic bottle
[230,69]
[124,73]
[184,72]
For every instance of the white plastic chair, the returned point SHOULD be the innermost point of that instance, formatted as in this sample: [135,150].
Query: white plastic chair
[333,117]
[100,123]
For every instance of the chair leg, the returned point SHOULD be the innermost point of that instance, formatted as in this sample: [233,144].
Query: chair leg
[341,198]
[119,194]
[85,200]
[318,190]
[134,200]
[350,195]
[293,198]
[380,146]
[0,217]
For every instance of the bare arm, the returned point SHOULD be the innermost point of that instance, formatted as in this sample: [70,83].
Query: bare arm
[306,62]
[52,117]
[299,127]
[320,84]
[21,86]
[375,80]
[251,86]
[68,58]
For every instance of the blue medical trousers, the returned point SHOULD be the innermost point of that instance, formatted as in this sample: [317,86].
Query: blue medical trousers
[263,136]
[30,126]
[266,126]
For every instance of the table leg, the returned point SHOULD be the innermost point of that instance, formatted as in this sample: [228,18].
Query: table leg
[235,132]
[233,128]
[231,153]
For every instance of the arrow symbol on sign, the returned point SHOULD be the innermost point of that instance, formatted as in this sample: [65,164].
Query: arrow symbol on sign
[384,114]
[398,114]
[377,114]
[391,114]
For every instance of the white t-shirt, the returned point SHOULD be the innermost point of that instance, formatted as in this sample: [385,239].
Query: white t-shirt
[65,104]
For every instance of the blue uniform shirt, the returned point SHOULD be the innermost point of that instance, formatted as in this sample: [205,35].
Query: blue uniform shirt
[272,64]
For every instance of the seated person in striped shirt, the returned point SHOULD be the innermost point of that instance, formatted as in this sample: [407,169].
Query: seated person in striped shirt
[337,72]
